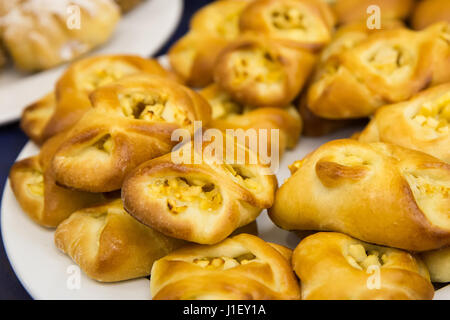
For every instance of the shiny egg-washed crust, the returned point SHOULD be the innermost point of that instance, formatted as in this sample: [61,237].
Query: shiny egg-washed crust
[34,186]
[38,37]
[60,111]
[109,245]
[243,267]
[301,23]
[131,121]
[347,11]
[376,192]
[198,197]
[386,67]
[428,12]
[421,123]
[261,72]
[212,27]
[438,264]
[334,266]
[228,114]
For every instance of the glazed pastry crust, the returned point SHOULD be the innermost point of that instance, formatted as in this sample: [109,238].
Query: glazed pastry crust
[44,201]
[243,267]
[421,123]
[37,35]
[375,192]
[201,200]
[387,67]
[111,246]
[71,97]
[438,263]
[428,12]
[131,121]
[334,266]
[261,72]
[305,23]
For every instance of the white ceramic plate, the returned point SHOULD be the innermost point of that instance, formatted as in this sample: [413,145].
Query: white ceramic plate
[43,270]
[142,31]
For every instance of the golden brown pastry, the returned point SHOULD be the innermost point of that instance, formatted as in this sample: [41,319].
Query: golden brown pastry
[228,114]
[334,266]
[109,245]
[33,183]
[261,72]
[131,121]
[428,12]
[51,115]
[2,57]
[376,192]
[303,23]
[211,29]
[127,5]
[387,67]
[243,267]
[354,10]
[421,123]
[40,34]
[438,263]
[202,197]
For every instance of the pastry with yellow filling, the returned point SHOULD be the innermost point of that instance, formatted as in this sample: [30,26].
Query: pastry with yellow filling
[212,27]
[262,72]
[41,198]
[334,266]
[202,195]
[243,267]
[302,23]
[131,121]
[421,123]
[62,109]
[229,114]
[438,263]
[376,192]
[428,12]
[109,245]
[40,34]
[386,67]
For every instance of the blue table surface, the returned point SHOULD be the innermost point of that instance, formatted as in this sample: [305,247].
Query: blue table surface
[12,140]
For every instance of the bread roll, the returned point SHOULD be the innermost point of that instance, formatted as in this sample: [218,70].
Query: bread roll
[132,120]
[111,246]
[202,197]
[243,267]
[421,123]
[376,192]
[334,266]
[438,263]
[428,12]
[44,201]
[48,117]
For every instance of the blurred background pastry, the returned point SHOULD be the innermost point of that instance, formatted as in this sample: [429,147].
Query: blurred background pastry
[428,12]
[127,5]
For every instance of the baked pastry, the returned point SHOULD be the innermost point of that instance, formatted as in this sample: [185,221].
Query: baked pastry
[44,201]
[243,267]
[334,266]
[302,23]
[211,28]
[261,72]
[421,123]
[387,67]
[428,12]
[51,115]
[228,114]
[200,195]
[355,10]
[40,34]
[376,192]
[109,245]
[438,263]
[127,5]
[2,57]
[131,121]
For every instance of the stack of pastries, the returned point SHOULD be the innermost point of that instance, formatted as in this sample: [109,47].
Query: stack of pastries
[129,200]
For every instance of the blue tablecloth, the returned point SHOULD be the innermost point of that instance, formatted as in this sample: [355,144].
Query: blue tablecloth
[12,140]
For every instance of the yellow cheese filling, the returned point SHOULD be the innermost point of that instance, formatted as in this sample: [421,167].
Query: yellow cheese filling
[435,115]
[224,262]
[359,258]
[35,183]
[287,17]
